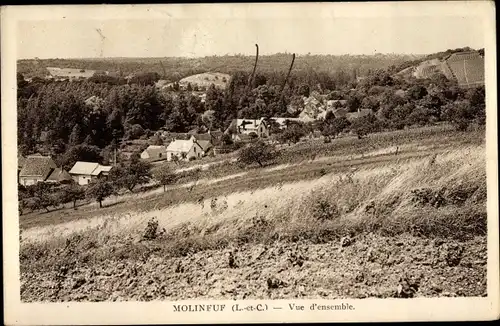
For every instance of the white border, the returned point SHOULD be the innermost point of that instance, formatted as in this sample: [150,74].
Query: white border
[440,309]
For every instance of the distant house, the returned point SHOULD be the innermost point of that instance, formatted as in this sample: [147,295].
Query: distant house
[184,149]
[85,172]
[36,168]
[340,113]
[154,153]
[244,138]
[283,122]
[59,175]
[361,113]
[208,140]
[248,126]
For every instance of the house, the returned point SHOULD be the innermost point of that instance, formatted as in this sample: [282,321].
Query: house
[248,126]
[154,153]
[283,122]
[184,149]
[208,140]
[201,140]
[361,113]
[59,175]
[36,168]
[340,112]
[244,138]
[85,172]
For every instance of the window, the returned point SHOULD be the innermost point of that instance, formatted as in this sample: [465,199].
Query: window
[159,155]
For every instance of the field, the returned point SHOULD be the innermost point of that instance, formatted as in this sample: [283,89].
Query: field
[398,214]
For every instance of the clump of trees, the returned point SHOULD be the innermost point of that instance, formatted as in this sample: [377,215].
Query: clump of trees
[99,190]
[130,174]
[164,175]
[257,152]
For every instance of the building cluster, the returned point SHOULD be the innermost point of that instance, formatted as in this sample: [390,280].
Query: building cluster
[39,168]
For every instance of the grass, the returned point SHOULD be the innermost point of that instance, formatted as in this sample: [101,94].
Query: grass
[386,197]
[293,164]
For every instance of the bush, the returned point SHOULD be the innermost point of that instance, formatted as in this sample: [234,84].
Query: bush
[323,210]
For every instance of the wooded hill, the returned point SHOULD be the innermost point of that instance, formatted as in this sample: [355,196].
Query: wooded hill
[175,69]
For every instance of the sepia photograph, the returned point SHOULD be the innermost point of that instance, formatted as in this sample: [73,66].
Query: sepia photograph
[315,153]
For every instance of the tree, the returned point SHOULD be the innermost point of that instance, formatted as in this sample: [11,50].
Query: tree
[292,134]
[85,153]
[333,127]
[258,152]
[134,131]
[164,175]
[208,118]
[364,125]
[460,114]
[99,190]
[132,173]
[353,103]
[75,138]
[72,193]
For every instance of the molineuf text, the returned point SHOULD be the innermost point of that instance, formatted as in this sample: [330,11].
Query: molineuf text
[199,307]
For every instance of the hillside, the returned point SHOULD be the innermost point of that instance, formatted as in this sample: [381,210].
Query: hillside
[177,68]
[466,67]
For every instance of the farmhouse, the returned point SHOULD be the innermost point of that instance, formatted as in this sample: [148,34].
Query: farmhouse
[154,153]
[184,149]
[85,172]
[249,126]
[36,168]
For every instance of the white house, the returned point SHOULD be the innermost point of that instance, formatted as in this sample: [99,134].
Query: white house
[85,172]
[154,153]
[184,149]
[249,126]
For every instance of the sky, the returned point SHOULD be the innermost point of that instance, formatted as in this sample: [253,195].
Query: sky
[204,35]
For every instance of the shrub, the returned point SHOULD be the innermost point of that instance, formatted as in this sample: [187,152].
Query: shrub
[151,231]
[323,210]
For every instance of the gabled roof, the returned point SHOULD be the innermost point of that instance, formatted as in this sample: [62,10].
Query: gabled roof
[204,144]
[182,146]
[89,168]
[102,168]
[83,168]
[206,136]
[155,150]
[59,175]
[37,166]
[216,134]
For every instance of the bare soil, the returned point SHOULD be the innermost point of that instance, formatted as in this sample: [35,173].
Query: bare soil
[367,266]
